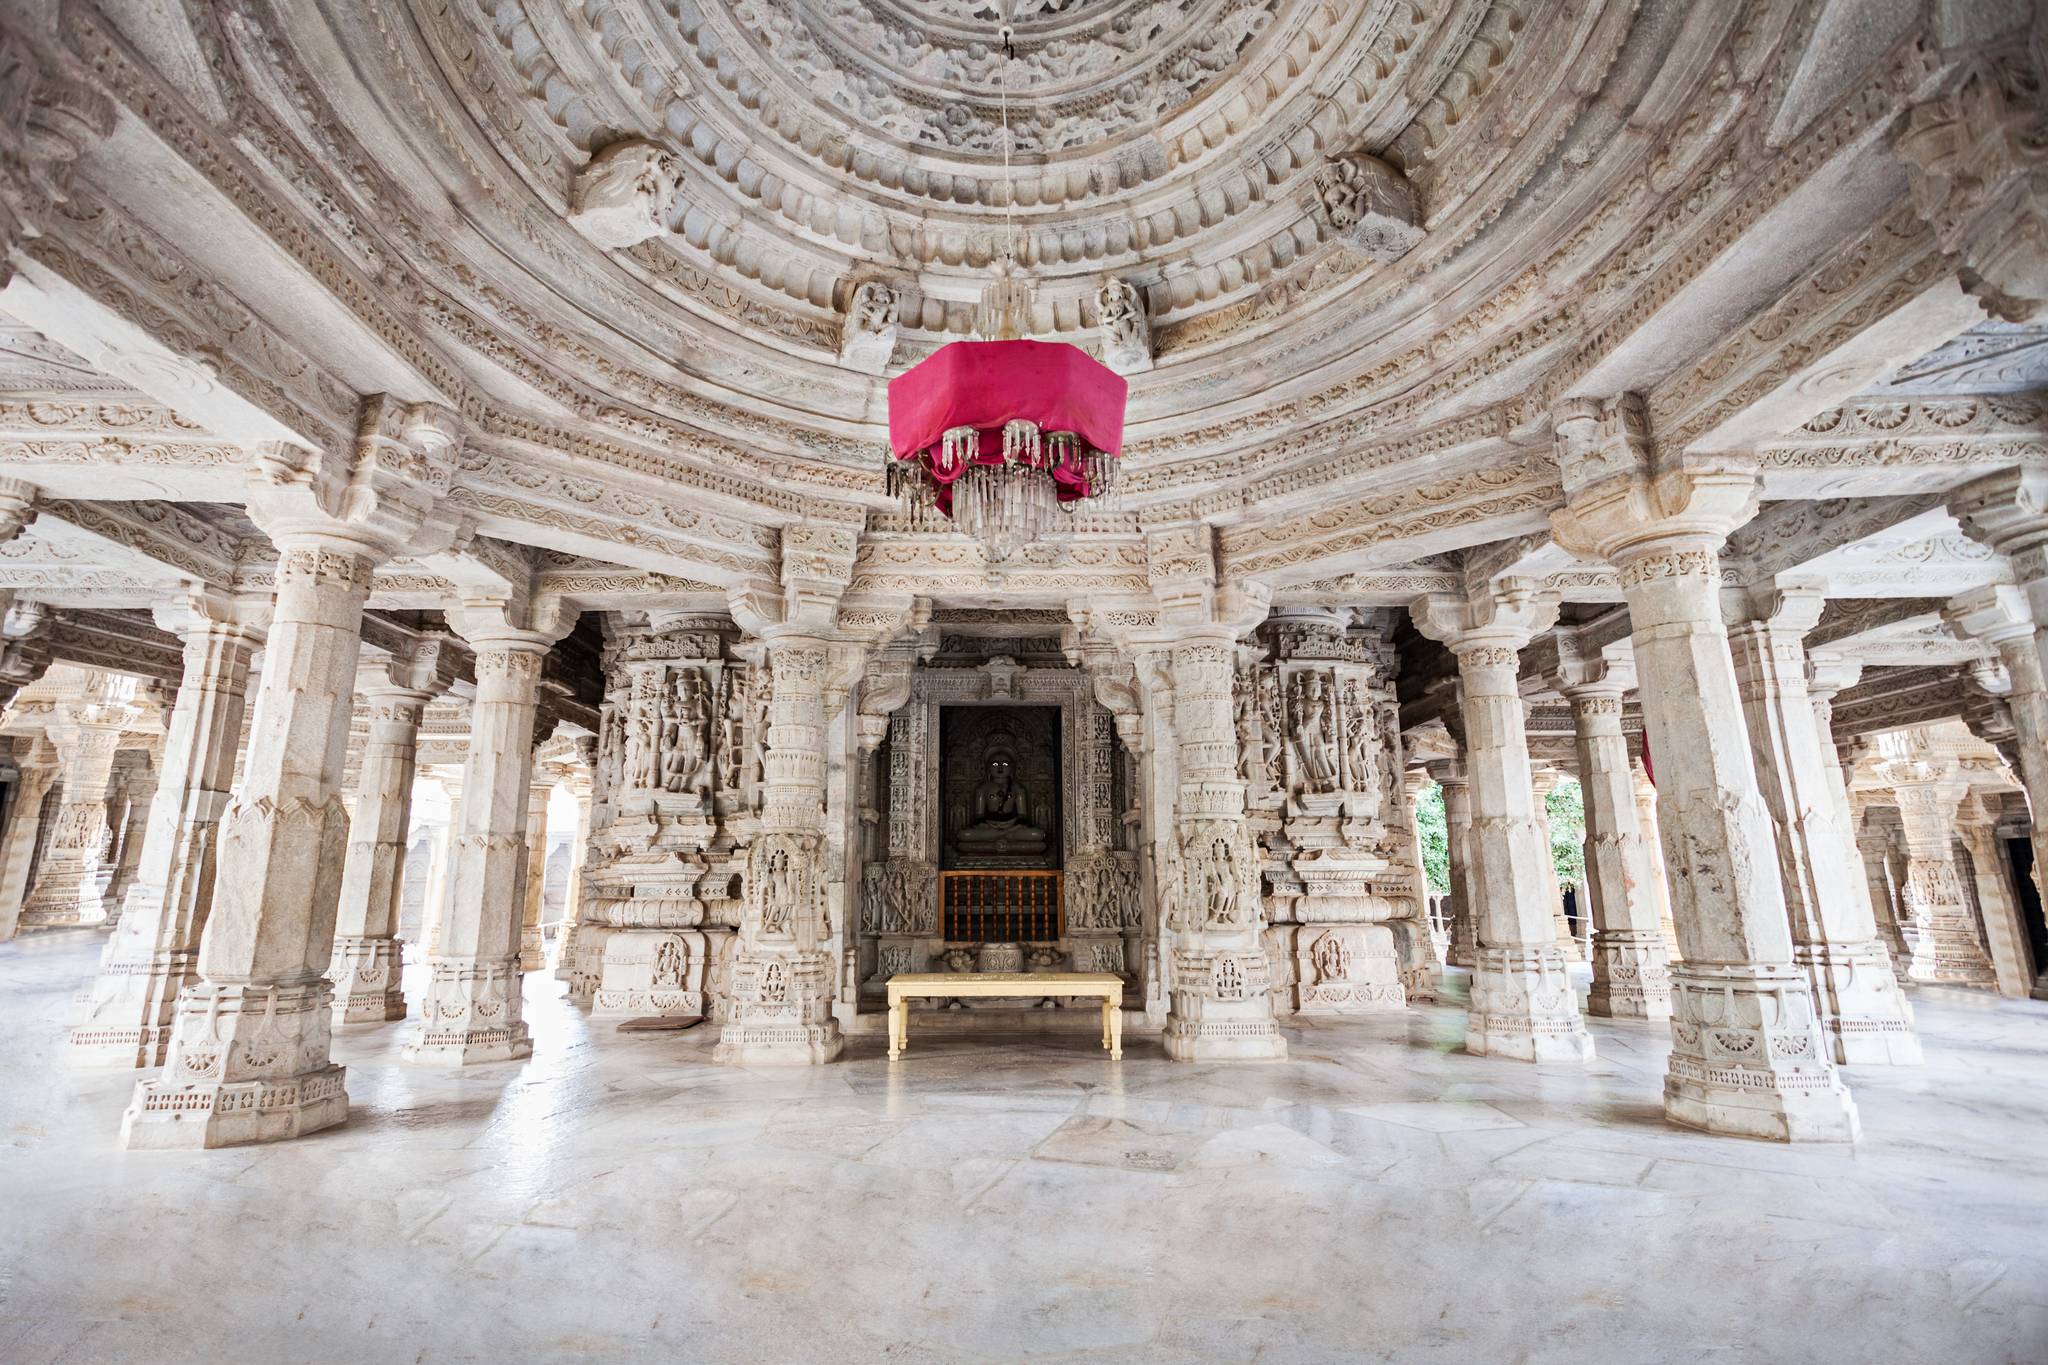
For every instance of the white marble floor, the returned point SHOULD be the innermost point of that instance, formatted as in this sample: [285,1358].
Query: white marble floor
[1382,1196]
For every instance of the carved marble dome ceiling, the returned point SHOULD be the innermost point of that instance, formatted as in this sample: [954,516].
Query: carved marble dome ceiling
[1608,193]
[1173,143]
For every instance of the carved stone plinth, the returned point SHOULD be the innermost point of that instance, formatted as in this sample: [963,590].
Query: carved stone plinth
[1631,975]
[781,1013]
[127,1018]
[470,1014]
[1864,1014]
[249,1064]
[1523,1006]
[665,973]
[1221,1007]
[366,973]
[1748,1059]
[1339,968]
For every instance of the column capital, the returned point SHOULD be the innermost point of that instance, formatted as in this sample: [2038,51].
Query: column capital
[1828,674]
[1974,160]
[1783,609]
[385,495]
[1999,615]
[1625,503]
[1501,617]
[17,507]
[1589,677]
[2008,511]
[202,612]
[503,627]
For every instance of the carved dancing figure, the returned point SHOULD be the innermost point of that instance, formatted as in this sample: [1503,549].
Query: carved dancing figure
[1312,727]
[643,739]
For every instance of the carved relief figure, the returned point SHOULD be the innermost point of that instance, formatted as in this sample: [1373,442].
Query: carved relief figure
[643,743]
[868,336]
[1313,730]
[1361,746]
[732,722]
[1126,330]
[1371,205]
[781,882]
[622,197]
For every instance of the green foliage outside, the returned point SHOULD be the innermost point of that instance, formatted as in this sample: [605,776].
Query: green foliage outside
[1436,845]
[1567,808]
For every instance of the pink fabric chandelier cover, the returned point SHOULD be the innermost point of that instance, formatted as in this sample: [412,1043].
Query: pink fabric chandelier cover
[987,384]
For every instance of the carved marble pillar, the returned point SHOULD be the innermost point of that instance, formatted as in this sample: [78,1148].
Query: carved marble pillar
[249,1056]
[532,954]
[1631,970]
[368,957]
[1875,841]
[1863,1013]
[2005,933]
[572,894]
[1523,1004]
[1941,928]
[1451,777]
[781,975]
[1659,889]
[2009,619]
[1318,737]
[1748,1055]
[1220,1005]
[67,884]
[899,893]
[471,1011]
[1543,781]
[138,787]
[574,961]
[24,826]
[441,888]
[658,910]
[248,1060]
[153,955]
[1419,966]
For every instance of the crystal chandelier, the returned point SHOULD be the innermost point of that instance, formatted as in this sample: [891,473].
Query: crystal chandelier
[1002,434]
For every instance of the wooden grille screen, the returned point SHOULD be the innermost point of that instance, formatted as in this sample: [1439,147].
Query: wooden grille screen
[1001,907]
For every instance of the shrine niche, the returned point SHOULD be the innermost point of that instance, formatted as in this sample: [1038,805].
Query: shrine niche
[1000,787]
[1001,783]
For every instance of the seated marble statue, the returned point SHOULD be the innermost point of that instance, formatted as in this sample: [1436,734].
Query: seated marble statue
[1002,814]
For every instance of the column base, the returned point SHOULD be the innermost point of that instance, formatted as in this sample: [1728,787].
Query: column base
[470,1015]
[1221,1006]
[1941,956]
[1225,1040]
[247,1063]
[765,1042]
[1733,1073]
[1631,976]
[1863,1014]
[1523,1007]
[657,973]
[582,962]
[1339,968]
[130,1010]
[533,954]
[366,973]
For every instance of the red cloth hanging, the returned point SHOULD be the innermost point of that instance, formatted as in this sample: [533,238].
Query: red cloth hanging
[1649,770]
[985,384]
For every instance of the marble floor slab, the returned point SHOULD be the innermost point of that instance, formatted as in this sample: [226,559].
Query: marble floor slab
[1381,1196]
